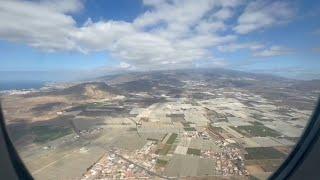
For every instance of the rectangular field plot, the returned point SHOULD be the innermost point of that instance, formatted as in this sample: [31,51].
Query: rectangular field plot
[165,149]
[266,141]
[172,138]
[266,165]
[264,153]
[181,150]
[183,166]
[206,167]
[161,162]
[194,151]
[189,129]
[130,141]
[256,130]
[46,133]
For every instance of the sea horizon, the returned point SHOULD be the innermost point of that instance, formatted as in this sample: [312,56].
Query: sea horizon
[21,85]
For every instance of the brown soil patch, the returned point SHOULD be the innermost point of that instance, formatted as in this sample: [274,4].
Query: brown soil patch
[254,169]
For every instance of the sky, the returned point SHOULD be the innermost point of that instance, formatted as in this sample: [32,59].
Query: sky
[85,38]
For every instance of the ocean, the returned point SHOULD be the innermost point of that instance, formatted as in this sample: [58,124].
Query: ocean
[20,85]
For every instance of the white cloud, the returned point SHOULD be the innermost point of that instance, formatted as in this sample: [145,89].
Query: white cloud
[124,65]
[69,6]
[171,34]
[208,63]
[239,46]
[209,27]
[40,25]
[101,35]
[154,3]
[155,39]
[223,14]
[273,51]
[256,49]
[263,14]
[178,16]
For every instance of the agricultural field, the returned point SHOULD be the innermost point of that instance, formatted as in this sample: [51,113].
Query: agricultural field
[258,129]
[264,153]
[195,152]
[172,138]
[47,133]
[159,125]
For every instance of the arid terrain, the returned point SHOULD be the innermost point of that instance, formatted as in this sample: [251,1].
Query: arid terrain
[163,124]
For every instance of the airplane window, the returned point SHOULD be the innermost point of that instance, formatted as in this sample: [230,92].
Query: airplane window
[157,89]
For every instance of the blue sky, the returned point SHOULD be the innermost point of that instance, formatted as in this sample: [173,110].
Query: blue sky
[95,37]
